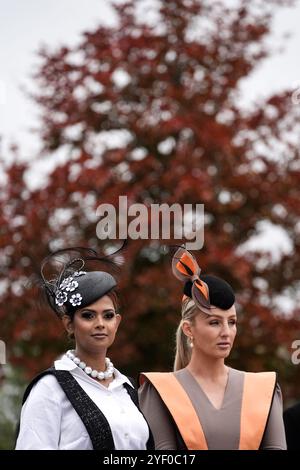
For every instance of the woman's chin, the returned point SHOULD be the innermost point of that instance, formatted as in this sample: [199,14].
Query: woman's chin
[222,354]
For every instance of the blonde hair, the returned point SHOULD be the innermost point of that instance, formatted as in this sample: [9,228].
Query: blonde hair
[183,350]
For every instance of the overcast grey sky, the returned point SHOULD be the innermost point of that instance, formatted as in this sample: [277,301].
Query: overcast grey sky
[25,25]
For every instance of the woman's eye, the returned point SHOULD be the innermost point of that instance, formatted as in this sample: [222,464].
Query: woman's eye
[87,315]
[214,323]
[109,316]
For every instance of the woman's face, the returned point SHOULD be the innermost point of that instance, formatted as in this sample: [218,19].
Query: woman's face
[95,326]
[213,335]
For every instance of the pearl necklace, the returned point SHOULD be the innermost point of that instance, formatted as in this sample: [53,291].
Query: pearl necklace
[107,374]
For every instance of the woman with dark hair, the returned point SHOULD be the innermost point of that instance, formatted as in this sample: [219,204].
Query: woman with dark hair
[83,402]
[205,404]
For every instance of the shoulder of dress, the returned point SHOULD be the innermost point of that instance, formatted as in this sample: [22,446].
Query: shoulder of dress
[149,376]
[260,373]
[267,374]
[46,381]
[44,388]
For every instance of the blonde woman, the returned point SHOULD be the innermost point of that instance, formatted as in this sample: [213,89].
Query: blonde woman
[204,403]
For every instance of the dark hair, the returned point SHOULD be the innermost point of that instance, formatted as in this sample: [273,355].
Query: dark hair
[114,296]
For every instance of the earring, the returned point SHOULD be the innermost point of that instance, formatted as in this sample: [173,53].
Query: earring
[191,341]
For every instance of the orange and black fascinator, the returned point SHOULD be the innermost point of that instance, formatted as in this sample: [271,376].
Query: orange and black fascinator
[186,268]
[207,291]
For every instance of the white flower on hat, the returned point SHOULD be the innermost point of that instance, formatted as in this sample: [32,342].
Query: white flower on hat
[65,282]
[79,273]
[60,298]
[75,299]
[71,286]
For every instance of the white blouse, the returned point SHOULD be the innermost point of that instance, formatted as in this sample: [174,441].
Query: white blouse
[49,421]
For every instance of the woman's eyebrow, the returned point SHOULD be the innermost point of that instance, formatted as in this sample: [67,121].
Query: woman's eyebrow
[94,311]
[221,317]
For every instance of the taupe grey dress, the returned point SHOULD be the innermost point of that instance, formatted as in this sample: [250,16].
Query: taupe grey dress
[221,427]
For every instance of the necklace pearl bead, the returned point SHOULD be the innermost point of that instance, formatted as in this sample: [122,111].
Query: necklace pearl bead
[101,375]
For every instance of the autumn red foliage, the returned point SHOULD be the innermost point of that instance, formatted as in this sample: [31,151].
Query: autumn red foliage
[152,112]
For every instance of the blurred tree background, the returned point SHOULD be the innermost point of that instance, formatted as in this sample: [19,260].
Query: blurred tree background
[150,111]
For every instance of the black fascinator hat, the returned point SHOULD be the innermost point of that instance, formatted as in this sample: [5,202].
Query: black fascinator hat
[221,294]
[207,291]
[71,286]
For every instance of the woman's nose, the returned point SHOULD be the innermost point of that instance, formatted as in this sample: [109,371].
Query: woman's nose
[225,329]
[99,322]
